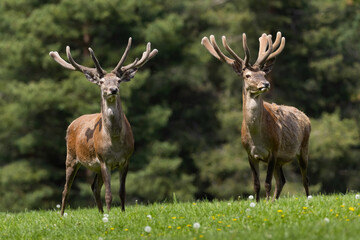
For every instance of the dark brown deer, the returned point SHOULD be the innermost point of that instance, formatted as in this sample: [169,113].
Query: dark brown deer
[102,141]
[274,134]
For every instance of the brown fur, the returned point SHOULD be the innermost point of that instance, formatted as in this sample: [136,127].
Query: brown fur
[103,141]
[270,133]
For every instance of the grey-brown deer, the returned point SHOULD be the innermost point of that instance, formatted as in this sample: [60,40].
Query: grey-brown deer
[274,134]
[102,141]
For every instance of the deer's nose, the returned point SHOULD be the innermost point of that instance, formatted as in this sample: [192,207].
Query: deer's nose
[114,90]
[266,85]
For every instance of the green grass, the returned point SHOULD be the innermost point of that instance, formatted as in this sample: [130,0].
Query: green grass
[322,217]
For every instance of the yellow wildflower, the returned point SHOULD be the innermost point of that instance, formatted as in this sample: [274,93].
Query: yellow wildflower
[234,219]
[126,229]
[178,228]
[228,225]
[112,229]
[213,217]
[193,203]
[342,205]
[219,221]
[201,236]
[351,209]
[169,227]
[279,211]
[173,218]
[219,229]
[265,219]
[331,210]
[283,216]
[347,220]
[337,215]
[305,208]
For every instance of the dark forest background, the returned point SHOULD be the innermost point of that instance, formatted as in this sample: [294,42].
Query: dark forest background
[184,105]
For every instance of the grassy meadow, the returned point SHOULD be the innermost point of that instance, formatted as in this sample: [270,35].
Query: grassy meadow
[291,217]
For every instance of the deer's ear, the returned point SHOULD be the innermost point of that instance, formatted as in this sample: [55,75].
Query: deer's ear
[268,66]
[238,67]
[94,78]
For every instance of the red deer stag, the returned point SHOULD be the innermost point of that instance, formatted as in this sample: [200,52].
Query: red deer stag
[102,141]
[274,134]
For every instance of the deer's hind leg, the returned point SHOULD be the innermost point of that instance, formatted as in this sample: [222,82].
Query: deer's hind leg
[280,181]
[71,169]
[303,163]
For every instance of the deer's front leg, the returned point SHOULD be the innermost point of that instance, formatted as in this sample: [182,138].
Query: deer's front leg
[106,175]
[269,175]
[122,173]
[254,164]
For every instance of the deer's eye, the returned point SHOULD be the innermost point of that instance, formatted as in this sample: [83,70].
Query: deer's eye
[101,81]
[247,75]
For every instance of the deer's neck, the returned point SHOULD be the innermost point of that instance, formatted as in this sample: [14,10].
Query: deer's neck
[252,111]
[112,116]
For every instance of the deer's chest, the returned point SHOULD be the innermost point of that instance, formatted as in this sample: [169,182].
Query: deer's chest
[256,145]
[258,151]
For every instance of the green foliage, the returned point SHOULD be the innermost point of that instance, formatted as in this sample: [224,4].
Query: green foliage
[34,187]
[333,154]
[184,106]
[322,217]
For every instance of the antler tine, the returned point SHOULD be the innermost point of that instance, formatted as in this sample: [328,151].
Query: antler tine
[222,56]
[144,57]
[262,44]
[55,55]
[232,53]
[77,66]
[97,64]
[246,50]
[263,55]
[206,43]
[131,65]
[279,50]
[277,40]
[123,58]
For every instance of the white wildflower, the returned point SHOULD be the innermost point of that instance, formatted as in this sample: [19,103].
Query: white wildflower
[310,197]
[357,196]
[105,219]
[147,229]
[252,204]
[251,197]
[106,215]
[229,204]
[149,216]
[65,214]
[57,205]
[247,210]
[326,220]
[196,225]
